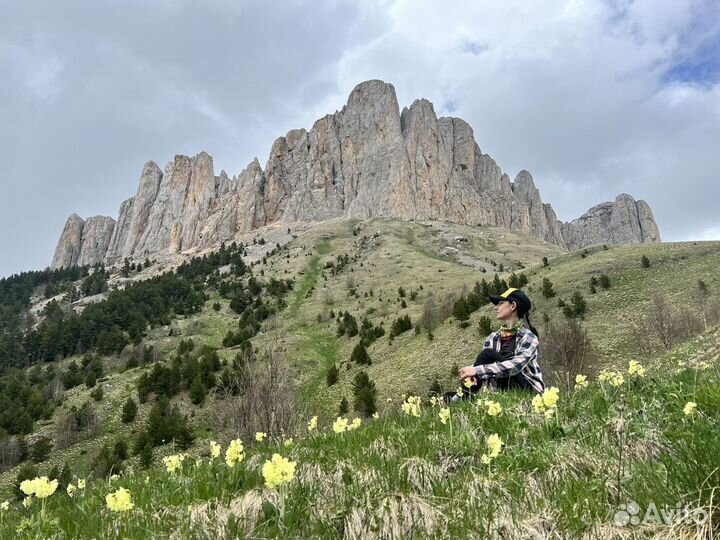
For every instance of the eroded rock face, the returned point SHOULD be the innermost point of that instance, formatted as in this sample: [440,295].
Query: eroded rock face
[625,221]
[96,236]
[68,248]
[367,160]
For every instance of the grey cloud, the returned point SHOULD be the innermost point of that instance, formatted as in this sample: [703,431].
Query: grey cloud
[98,88]
[93,89]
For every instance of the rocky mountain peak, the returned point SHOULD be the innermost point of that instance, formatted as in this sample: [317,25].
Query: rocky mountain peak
[367,160]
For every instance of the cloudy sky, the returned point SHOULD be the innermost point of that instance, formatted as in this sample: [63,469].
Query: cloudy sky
[594,98]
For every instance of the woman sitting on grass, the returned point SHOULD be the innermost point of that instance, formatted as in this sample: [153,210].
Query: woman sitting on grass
[509,359]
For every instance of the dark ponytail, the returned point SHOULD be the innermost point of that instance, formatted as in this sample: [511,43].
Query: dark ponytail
[530,326]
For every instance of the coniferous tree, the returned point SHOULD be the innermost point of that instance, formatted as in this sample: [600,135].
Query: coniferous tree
[197,391]
[485,326]
[360,355]
[547,288]
[365,394]
[333,374]
[129,411]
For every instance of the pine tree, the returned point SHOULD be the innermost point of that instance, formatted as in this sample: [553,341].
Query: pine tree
[545,261]
[604,281]
[579,306]
[645,262]
[460,310]
[365,394]
[485,326]
[197,391]
[129,411]
[146,456]
[360,355]
[333,374]
[547,288]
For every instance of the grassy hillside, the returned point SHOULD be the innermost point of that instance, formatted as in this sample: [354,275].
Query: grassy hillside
[605,449]
[359,267]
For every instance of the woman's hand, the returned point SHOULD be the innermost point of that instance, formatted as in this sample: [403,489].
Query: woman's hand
[468,371]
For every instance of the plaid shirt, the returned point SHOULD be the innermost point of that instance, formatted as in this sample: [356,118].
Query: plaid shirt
[524,362]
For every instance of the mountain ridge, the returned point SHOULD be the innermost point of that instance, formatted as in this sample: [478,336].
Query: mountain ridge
[367,160]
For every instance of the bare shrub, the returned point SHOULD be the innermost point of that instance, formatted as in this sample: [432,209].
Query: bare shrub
[662,322]
[686,323]
[66,430]
[565,352]
[446,308]
[713,311]
[55,388]
[264,399]
[429,316]
[10,453]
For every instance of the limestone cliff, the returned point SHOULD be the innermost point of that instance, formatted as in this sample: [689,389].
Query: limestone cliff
[367,160]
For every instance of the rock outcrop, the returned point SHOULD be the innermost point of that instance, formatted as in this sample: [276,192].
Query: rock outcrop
[95,239]
[366,160]
[625,221]
[68,248]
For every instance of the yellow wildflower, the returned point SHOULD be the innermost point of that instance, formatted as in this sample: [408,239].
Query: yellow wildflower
[260,436]
[580,381]
[27,502]
[435,401]
[467,383]
[81,483]
[547,401]
[356,423]
[312,424]
[173,463]
[71,489]
[615,378]
[493,408]
[278,471]
[494,444]
[537,403]
[635,369]
[4,505]
[459,392]
[234,453]
[411,406]
[376,416]
[119,501]
[40,487]
[550,397]
[340,425]
[288,442]
[214,449]
[444,415]
[690,408]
